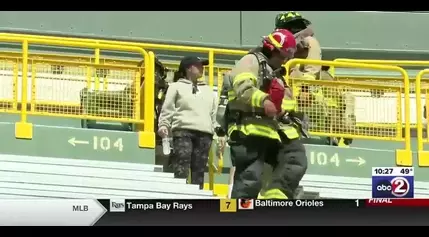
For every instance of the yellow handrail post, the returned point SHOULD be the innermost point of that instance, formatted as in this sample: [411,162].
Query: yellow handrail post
[219,82]
[137,94]
[407,111]
[147,136]
[97,61]
[422,155]
[24,130]
[212,147]
[211,68]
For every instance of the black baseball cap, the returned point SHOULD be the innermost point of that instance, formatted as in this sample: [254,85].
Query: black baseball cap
[189,61]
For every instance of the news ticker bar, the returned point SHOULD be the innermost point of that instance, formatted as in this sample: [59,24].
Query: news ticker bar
[233,205]
[84,212]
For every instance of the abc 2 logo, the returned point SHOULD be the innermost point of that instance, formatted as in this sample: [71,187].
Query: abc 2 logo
[394,187]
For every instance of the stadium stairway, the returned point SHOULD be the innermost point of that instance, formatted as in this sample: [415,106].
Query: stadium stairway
[41,177]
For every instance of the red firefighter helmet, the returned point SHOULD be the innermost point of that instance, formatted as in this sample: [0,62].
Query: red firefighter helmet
[282,40]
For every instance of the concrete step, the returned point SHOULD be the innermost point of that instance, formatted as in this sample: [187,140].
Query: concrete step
[311,195]
[41,177]
[97,192]
[76,181]
[87,172]
[57,194]
[84,163]
[14,196]
[345,187]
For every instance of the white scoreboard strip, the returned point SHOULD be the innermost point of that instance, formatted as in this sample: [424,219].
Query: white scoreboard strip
[50,212]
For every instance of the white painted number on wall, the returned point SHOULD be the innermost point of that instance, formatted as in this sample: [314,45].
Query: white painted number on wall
[104,143]
[322,159]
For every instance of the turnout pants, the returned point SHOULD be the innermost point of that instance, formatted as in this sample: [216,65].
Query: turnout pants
[249,153]
[190,151]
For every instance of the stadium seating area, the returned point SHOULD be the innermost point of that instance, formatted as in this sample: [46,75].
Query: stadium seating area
[76,125]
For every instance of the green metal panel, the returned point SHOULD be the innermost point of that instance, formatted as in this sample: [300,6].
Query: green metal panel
[335,29]
[350,29]
[209,27]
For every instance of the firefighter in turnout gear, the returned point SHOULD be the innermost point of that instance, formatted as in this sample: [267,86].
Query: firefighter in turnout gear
[308,47]
[318,106]
[262,124]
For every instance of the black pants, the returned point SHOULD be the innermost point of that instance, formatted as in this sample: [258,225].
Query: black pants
[249,153]
[190,151]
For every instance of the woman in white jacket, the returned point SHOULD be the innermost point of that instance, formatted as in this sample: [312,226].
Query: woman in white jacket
[189,112]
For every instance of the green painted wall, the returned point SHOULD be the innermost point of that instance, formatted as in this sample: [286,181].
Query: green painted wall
[351,29]
[358,34]
[336,29]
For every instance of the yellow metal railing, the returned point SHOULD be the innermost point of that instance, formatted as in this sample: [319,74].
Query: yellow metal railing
[413,63]
[75,83]
[382,79]
[391,80]
[423,156]
[90,59]
[31,67]
[210,52]
[419,84]
[50,56]
[342,96]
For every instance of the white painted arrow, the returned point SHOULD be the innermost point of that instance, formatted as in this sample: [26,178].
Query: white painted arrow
[50,212]
[73,141]
[359,160]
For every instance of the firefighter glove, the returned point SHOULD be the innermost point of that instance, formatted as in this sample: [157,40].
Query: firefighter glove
[277,93]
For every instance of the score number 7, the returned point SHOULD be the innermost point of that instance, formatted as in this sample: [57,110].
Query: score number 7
[228,204]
